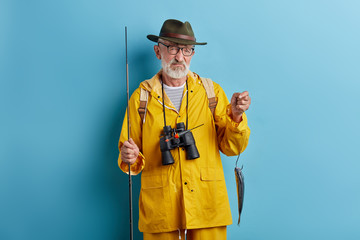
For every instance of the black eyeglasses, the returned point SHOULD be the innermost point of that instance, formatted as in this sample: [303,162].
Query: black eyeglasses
[173,50]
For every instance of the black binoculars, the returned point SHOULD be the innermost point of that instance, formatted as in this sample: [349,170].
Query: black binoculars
[174,138]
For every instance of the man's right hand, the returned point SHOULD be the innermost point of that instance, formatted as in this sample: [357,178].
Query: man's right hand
[129,151]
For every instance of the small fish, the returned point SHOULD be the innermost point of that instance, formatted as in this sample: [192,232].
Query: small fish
[240,187]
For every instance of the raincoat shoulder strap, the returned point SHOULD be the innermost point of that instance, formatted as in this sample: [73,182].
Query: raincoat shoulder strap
[143,104]
[209,88]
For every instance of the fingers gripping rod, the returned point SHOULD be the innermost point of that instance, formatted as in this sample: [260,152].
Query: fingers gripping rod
[128,125]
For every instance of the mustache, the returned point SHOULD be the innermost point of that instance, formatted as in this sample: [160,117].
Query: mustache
[174,61]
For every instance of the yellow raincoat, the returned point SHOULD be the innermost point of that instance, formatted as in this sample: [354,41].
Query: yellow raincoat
[188,194]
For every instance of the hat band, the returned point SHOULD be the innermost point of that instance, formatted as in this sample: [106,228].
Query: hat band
[176,35]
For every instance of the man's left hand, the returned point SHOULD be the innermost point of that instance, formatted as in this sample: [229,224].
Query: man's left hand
[240,102]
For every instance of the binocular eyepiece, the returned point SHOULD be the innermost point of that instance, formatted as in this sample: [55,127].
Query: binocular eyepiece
[174,138]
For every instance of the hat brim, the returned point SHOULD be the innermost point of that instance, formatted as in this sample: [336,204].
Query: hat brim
[155,38]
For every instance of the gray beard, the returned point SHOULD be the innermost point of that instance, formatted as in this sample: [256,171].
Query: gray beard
[178,72]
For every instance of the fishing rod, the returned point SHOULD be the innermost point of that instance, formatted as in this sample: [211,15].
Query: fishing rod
[128,129]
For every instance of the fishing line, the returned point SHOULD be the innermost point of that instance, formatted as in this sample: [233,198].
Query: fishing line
[237,162]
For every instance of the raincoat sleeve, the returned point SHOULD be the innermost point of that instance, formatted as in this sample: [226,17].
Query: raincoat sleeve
[232,136]
[135,134]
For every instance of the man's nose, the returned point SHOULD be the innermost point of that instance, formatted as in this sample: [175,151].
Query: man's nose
[179,56]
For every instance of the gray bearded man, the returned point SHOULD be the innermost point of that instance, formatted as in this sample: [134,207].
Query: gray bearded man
[183,189]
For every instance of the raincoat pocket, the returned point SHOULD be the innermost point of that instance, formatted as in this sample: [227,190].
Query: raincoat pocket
[153,189]
[211,187]
[209,174]
[152,181]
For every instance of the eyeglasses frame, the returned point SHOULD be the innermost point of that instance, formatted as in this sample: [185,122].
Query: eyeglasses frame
[178,48]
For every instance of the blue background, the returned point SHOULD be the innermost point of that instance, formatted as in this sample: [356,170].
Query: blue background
[63,97]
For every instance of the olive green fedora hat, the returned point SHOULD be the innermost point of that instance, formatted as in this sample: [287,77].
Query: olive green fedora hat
[177,32]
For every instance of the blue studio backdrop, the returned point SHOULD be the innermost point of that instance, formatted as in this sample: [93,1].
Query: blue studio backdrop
[63,99]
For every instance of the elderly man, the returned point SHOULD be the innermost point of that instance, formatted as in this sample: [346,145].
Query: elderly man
[183,188]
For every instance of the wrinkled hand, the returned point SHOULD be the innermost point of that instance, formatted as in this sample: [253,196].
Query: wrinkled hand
[240,102]
[129,151]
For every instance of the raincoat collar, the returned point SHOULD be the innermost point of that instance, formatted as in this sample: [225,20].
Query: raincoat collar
[153,86]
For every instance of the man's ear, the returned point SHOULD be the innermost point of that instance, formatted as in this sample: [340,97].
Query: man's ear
[157,51]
